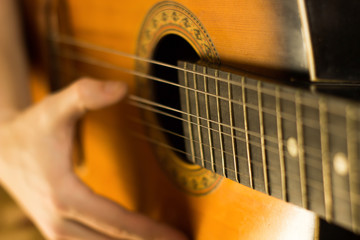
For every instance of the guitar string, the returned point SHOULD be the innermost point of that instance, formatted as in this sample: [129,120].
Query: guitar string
[341,116]
[143,75]
[268,138]
[209,76]
[272,149]
[312,151]
[180,150]
[62,39]
[315,184]
[337,132]
[340,194]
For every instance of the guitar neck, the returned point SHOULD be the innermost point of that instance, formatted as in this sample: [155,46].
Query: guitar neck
[284,141]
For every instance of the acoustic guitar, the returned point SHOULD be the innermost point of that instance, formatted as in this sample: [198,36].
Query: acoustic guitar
[241,122]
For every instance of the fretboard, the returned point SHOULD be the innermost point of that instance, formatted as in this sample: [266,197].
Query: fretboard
[287,142]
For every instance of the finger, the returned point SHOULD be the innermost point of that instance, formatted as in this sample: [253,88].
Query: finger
[110,218]
[85,94]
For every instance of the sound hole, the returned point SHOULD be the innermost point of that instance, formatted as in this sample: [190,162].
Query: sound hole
[171,49]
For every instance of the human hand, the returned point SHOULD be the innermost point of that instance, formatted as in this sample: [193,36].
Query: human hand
[36,168]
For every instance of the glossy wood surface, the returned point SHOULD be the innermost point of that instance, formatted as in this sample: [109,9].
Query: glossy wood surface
[246,34]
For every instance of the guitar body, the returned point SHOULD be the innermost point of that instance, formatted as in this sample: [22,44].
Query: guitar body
[249,35]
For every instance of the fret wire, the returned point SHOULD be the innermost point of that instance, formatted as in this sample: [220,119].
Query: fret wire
[208,121]
[307,122]
[145,101]
[301,154]
[62,39]
[324,138]
[311,183]
[352,158]
[198,119]
[262,133]
[280,143]
[224,173]
[233,146]
[189,117]
[246,132]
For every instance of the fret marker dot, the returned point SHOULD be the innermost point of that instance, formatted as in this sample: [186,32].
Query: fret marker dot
[341,164]
[292,147]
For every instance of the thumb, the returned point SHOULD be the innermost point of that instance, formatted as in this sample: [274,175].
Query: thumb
[83,95]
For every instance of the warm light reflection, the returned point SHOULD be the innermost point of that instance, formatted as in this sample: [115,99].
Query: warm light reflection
[299,225]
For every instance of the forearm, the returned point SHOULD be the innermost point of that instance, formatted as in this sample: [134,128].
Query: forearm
[14,85]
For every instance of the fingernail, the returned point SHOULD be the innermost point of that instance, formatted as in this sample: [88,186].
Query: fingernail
[112,87]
